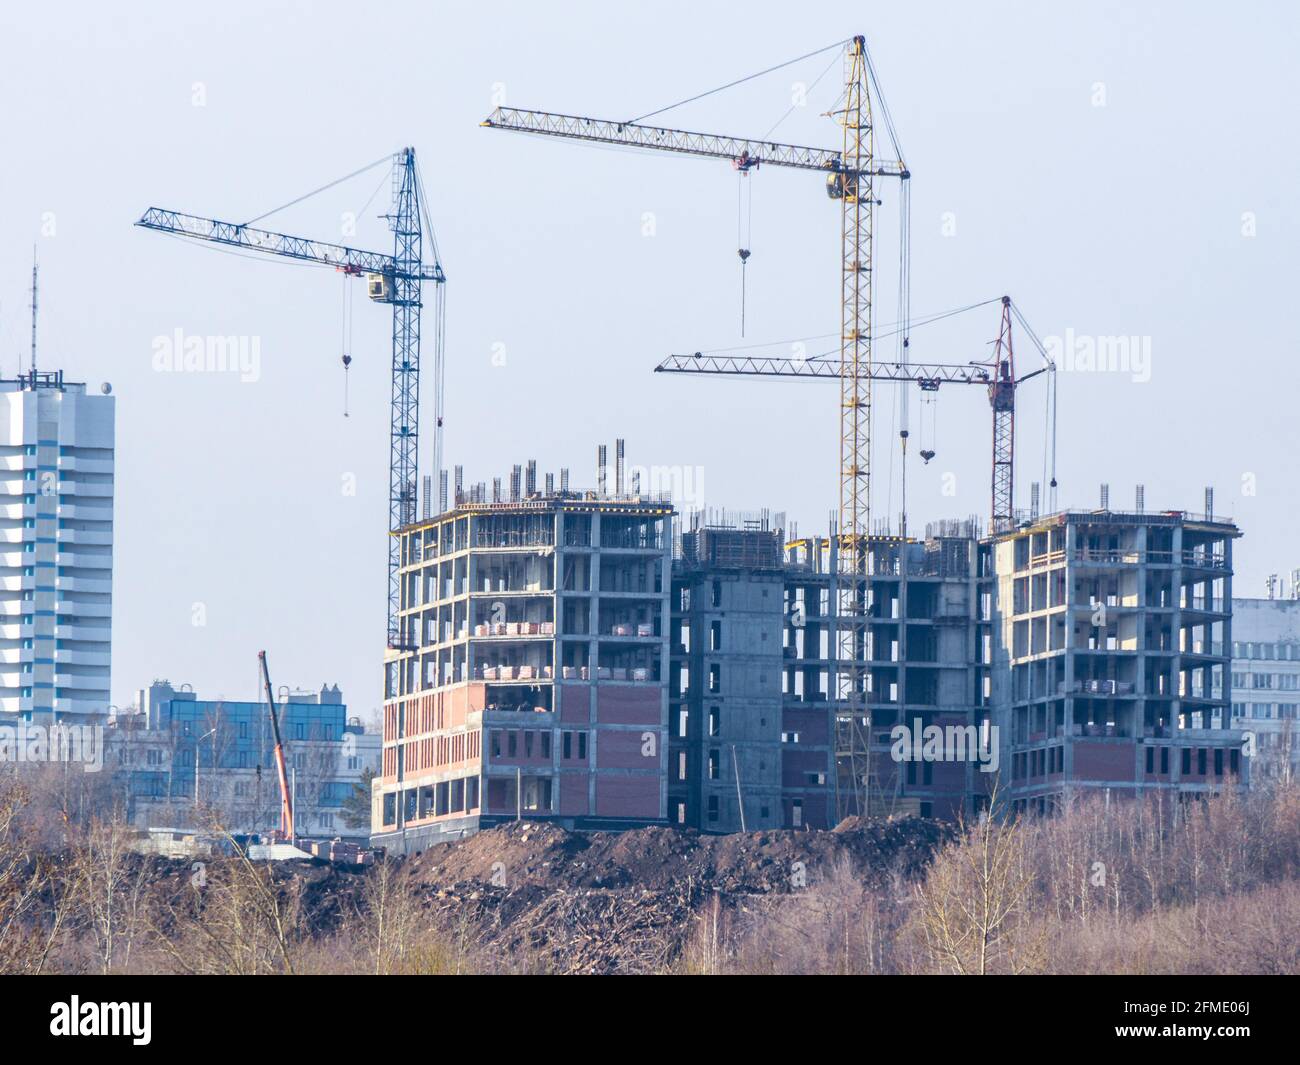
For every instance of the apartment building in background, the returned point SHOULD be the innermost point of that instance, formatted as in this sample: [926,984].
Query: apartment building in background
[178,760]
[1266,682]
[56,532]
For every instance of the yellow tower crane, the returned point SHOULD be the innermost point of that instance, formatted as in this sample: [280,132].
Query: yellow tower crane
[850,173]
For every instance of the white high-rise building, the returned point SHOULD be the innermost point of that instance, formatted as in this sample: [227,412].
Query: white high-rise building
[56,548]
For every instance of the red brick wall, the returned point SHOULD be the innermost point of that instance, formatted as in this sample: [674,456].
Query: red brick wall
[1104,761]
[627,796]
[813,726]
[627,705]
[796,765]
[574,702]
[617,749]
[573,794]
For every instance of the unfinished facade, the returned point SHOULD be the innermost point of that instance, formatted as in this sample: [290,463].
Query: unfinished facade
[531,679]
[725,747]
[564,659]
[923,675]
[1109,643]
[753,683]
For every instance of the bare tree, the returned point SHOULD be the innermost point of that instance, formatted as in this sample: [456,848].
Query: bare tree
[105,881]
[391,930]
[32,908]
[974,913]
[233,918]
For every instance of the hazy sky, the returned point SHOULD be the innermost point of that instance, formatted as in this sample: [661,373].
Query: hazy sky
[1122,170]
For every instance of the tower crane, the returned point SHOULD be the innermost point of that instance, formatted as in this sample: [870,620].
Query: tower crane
[395,279]
[850,172]
[998,376]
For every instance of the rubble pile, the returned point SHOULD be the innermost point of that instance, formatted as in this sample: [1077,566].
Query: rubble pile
[579,902]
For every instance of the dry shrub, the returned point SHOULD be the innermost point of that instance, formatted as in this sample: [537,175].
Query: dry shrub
[1157,885]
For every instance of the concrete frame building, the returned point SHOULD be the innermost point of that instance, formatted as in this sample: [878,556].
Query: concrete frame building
[1088,647]
[56,522]
[1078,651]
[1109,643]
[754,718]
[725,709]
[531,679]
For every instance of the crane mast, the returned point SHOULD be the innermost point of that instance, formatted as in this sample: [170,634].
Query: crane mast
[404,422]
[1002,398]
[852,185]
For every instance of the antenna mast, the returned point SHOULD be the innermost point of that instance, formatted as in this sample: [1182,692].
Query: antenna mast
[34,306]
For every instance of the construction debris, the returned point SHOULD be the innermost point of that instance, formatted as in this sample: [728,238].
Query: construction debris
[576,902]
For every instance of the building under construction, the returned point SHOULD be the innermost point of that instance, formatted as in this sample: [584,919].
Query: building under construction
[1111,638]
[531,673]
[754,707]
[572,656]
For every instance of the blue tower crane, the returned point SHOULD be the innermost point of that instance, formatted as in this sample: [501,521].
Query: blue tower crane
[395,279]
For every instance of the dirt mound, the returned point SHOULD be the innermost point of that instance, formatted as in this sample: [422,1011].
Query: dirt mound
[532,896]
[604,902]
[659,859]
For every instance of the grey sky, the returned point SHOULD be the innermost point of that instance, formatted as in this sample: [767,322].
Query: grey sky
[1124,219]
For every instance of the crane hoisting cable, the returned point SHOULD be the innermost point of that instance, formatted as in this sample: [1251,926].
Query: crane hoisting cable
[744,228]
[347,340]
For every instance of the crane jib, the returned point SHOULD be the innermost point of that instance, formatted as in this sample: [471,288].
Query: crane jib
[350,260]
[736,149]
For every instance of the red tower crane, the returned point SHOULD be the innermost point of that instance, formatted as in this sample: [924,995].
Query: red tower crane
[998,376]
